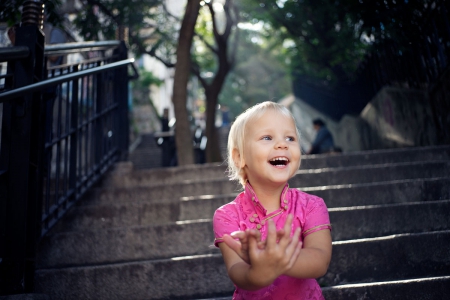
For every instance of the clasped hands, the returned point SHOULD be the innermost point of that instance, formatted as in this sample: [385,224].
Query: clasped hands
[272,257]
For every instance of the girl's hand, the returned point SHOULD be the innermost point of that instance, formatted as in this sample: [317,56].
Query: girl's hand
[276,257]
[241,246]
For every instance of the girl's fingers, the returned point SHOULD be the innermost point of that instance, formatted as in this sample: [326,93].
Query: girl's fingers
[280,233]
[232,243]
[294,243]
[271,234]
[285,239]
[295,254]
[252,247]
[242,236]
[255,233]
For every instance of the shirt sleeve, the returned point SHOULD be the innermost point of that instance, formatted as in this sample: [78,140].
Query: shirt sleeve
[225,221]
[317,217]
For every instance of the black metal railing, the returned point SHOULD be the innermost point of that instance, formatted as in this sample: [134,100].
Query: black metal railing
[62,127]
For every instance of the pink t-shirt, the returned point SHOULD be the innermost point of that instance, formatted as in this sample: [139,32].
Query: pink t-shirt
[245,212]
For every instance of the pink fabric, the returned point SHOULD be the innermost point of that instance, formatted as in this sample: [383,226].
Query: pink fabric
[310,214]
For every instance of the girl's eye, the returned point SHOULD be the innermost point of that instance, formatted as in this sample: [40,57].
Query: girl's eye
[266,138]
[290,139]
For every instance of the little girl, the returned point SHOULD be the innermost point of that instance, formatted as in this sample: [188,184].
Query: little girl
[274,240]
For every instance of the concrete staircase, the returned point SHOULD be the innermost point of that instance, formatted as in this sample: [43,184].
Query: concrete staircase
[147,234]
[147,154]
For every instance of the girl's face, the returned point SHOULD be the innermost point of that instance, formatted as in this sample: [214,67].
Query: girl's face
[271,153]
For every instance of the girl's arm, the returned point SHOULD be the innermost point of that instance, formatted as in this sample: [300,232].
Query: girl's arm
[315,256]
[266,264]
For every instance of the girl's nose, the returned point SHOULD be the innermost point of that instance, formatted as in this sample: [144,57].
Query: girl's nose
[281,144]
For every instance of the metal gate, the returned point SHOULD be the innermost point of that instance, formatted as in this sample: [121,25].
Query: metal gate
[62,128]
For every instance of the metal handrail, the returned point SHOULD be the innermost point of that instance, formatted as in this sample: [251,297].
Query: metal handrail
[19,52]
[63,78]
[14,53]
[66,48]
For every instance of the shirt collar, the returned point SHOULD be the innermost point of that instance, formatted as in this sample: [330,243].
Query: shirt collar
[251,196]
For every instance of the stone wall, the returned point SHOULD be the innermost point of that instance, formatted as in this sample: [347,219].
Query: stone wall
[394,118]
[398,118]
[440,103]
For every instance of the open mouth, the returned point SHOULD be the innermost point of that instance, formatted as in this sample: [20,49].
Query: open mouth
[279,161]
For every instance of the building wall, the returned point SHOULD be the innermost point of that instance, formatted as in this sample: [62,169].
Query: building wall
[162,95]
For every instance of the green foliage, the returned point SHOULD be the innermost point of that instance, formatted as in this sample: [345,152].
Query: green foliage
[90,26]
[329,38]
[141,86]
[261,72]
[322,41]
[203,40]
[11,11]
[146,79]
[102,18]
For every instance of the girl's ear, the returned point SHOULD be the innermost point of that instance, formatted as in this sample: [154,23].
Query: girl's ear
[238,160]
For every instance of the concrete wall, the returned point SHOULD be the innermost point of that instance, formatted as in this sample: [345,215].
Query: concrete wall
[399,118]
[394,118]
[440,101]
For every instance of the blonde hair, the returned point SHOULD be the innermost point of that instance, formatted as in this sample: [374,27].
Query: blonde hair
[236,137]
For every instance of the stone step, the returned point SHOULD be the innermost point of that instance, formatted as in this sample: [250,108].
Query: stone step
[150,177]
[397,257]
[381,220]
[374,157]
[370,173]
[400,191]
[124,175]
[93,247]
[401,256]
[177,278]
[305,178]
[142,213]
[396,191]
[182,238]
[147,154]
[412,289]
[139,213]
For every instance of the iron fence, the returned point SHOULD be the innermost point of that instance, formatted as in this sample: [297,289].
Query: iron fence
[62,127]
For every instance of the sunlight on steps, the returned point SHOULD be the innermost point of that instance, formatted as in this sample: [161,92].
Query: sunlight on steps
[147,233]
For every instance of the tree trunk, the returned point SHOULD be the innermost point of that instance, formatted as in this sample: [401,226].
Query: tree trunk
[213,89]
[183,135]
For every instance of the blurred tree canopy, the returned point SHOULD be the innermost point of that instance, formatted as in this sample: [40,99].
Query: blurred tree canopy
[327,39]
[261,71]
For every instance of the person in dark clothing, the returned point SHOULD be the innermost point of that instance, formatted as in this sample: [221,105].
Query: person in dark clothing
[167,141]
[323,143]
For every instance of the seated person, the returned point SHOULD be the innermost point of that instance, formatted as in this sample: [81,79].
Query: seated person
[323,143]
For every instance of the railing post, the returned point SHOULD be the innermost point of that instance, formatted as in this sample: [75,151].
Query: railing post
[121,92]
[74,134]
[22,145]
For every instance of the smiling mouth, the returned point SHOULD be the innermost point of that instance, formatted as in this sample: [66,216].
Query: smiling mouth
[279,161]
